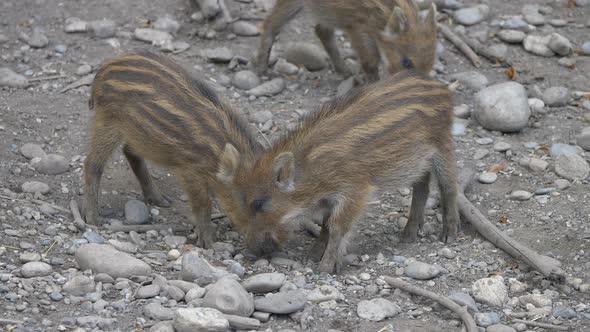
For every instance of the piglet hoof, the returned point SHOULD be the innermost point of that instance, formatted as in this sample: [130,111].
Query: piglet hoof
[206,239]
[409,237]
[159,199]
[327,265]
[89,215]
[448,236]
[317,251]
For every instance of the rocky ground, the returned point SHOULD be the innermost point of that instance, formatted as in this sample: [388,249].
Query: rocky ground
[523,128]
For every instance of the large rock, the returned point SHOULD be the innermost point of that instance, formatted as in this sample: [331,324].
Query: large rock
[472,15]
[102,258]
[194,268]
[491,291]
[308,55]
[503,107]
[571,166]
[377,309]
[52,164]
[11,79]
[229,297]
[282,302]
[200,320]
[264,282]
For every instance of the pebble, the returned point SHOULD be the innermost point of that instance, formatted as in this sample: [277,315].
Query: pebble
[421,271]
[462,111]
[229,297]
[502,146]
[464,300]
[564,312]
[136,213]
[532,16]
[511,36]
[245,80]
[194,293]
[243,323]
[447,253]
[52,164]
[31,151]
[485,319]
[264,282]
[520,195]
[36,269]
[567,62]
[538,45]
[166,326]
[559,44]
[219,55]
[309,55]
[377,309]
[193,267]
[35,187]
[491,291]
[459,127]
[345,86]
[11,79]
[102,258]
[167,23]
[586,48]
[556,96]
[79,286]
[149,291]
[153,36]
[499,328]
[515,23]
[325,293]
[571,166]
[102,28]
[537,300]
[282,302]
[502,107]
[104,278]
[84,69]
[245,28]
[536,105]
[557,22]
[74,24]
[472,15]
[284,67]
[480,154]
[38,39]
[200,320]
[26,257]
[56,296]
[270,88]
[488,177]
[498,50]
[157,312]
[472,80]
[559,148]
[93,237]
[583,140]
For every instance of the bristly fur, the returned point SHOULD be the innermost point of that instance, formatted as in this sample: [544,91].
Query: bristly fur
[394,26]
[393,133]
[160,112]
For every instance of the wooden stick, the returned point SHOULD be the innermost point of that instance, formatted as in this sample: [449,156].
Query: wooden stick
[86,80]
[78,221]
[542,325]
[447,303]
[482,50]
[46,78]
[157,227]
[460,44]
[40,202]
[547,266]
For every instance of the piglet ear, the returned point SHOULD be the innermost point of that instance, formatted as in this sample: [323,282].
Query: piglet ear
[283,172]
[397,23]
[228,164]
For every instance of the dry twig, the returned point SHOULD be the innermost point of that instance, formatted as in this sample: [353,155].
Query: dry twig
[449,304]
[460,44]
[40,202]
[542,325]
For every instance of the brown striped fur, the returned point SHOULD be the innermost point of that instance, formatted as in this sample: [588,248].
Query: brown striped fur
[392,133]
[393,26]
[160,113]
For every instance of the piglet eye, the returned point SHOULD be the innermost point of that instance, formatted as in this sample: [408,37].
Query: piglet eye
[257,205]
[407,63]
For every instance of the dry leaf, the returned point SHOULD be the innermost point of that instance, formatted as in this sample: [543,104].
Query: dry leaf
[513,266]
[138,327]
[497,168]
[544,148]
[586,96]
[511,73]
[504,220]
[571,4]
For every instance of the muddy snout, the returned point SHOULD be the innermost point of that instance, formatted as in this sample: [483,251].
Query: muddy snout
[261,245]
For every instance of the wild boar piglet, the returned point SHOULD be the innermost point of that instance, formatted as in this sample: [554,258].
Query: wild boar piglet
[161,113]
[390,134]
[407,40]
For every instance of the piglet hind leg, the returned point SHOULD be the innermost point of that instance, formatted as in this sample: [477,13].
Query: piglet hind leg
[446,174]
[420,192]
